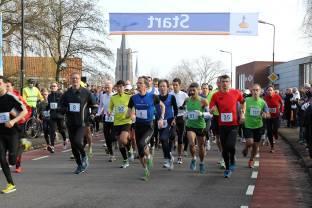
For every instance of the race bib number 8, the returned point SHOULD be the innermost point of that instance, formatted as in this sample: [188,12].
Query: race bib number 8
[142,114]
[109,118]
[255,111]
[53,105]
[226,117]
[74,107]
[121,109]
[192,115]
[4,117]
[272,110]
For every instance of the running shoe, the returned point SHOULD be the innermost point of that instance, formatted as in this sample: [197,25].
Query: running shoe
[26,144]
[171,166]
[72,157]
[179,161]
[49,148]
[52,149]
[251,164]
[19,170]
[193,165]
[111,158]
[9,189]
[146,175]
[125,164]
[185,154]
[85,163]
[272,150]
[208,146]
[232,167]
[222,164]
[79,170]
[149,162]
[227,173]
[202,169]
[166,163]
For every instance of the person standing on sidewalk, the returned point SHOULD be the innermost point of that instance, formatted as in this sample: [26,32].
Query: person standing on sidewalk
[276,108]
[225,101]
[255,109]
[11,112]
[75,103]
[56,117]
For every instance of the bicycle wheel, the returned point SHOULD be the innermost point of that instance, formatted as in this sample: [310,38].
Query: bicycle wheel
[32,128]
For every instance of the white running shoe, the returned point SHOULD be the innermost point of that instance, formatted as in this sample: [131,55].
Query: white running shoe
[208,146]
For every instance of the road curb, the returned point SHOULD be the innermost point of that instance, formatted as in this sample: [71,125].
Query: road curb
[303,161]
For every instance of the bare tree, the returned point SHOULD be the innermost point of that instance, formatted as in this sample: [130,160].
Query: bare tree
[307,22]
[184,72]
[60,29]
[201,70]
[72,28]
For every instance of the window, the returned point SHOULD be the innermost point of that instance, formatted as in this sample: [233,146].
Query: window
[241,81]
[307,72]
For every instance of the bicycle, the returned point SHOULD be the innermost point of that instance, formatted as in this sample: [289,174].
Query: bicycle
[33,126]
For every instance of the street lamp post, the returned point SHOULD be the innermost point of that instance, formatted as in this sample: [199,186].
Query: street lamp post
[22,48]
[229,52]
[267,23]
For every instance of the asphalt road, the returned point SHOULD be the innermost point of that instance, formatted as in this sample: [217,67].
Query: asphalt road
[50,182]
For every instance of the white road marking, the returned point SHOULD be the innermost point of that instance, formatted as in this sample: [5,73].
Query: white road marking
[250,190]
[102,140]
[66,150]
[254,174]
[39,158]
[243,206]
[256,164]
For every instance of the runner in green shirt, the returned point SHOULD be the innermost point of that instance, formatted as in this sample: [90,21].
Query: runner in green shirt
[196,112]
[256,109]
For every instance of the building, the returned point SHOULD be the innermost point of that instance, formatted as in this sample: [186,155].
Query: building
[124,67]
[41,69]
[251,73]
[294,73]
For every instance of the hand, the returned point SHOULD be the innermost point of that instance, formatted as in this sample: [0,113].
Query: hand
[281,114]
[9,124]
[213,109]
[173,123]
[199,113]
[160,123]
[242,118]
[92,116]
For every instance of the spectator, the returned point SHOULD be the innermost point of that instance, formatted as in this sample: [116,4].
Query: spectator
[287,106]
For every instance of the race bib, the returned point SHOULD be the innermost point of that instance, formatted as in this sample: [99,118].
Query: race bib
[46,114]
[226,117]
[53,106]
[255,111]
[165,124]
[272,110]
[121,109]
[109,118]
[4,117]
[192,115]
[142,114]
[74,107]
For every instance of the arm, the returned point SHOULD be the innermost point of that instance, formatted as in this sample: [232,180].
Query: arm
[175,106]
[130,108]
[101,106]
[20,116]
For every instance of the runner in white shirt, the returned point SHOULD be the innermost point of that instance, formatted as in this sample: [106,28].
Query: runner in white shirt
[180,97]
[108,119]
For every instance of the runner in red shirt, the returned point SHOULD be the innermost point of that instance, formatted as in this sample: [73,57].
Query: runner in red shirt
[225,101]
[276,107]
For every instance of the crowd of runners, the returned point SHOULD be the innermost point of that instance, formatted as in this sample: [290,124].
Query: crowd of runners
[156,113]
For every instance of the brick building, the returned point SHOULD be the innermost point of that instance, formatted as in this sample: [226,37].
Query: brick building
[41,69]
[253,72]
